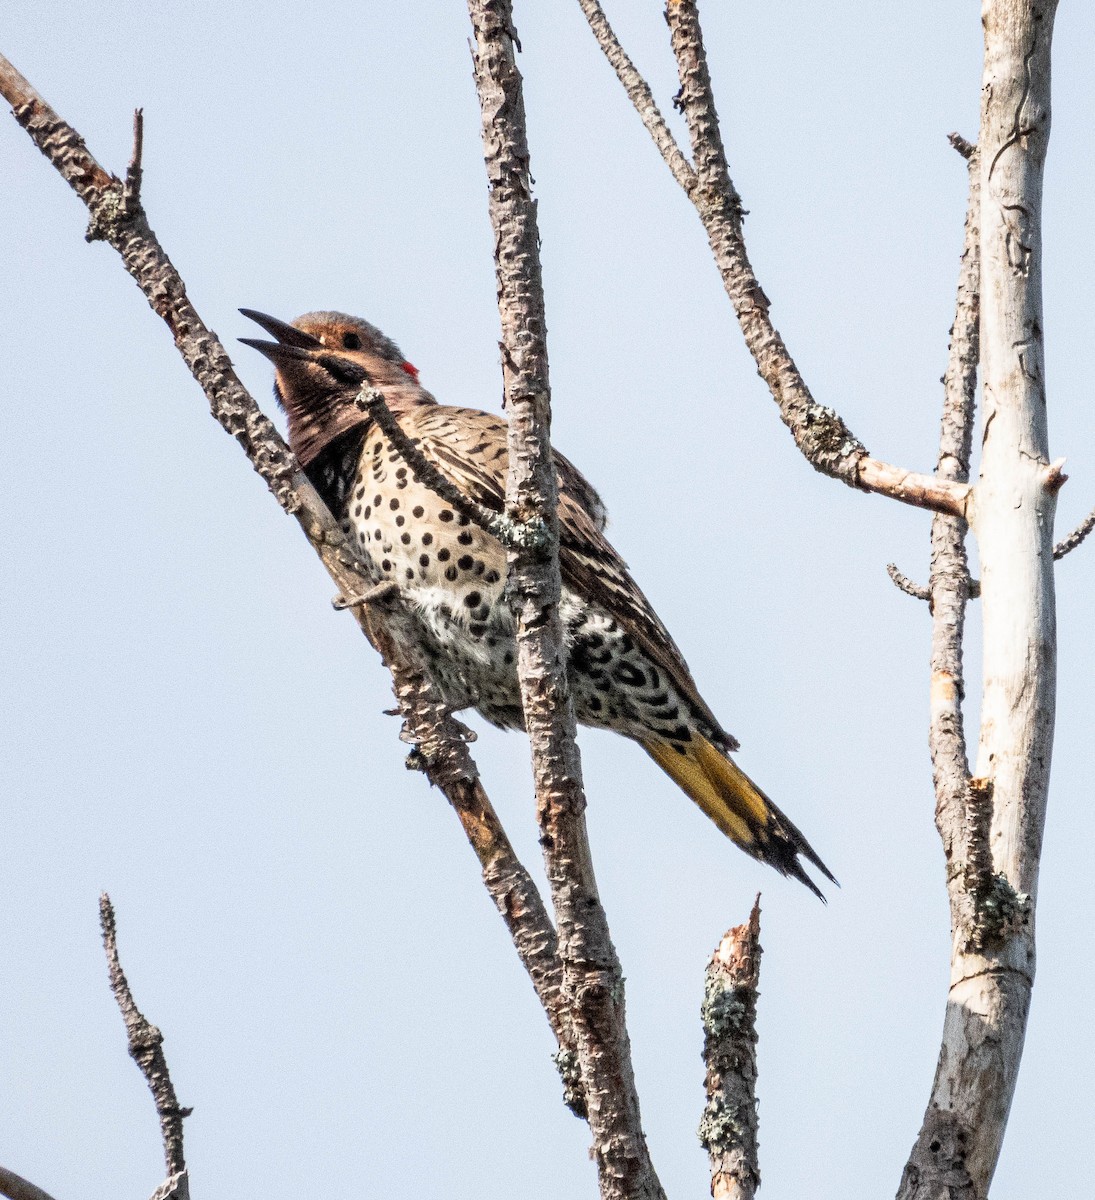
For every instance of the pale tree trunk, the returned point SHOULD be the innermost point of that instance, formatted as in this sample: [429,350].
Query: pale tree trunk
[993,895]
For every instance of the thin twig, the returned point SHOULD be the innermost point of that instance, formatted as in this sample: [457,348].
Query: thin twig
[819,432]
[447,765]
[964,147]
[728,1129]
[906,585]
[131,193]
[592,979]
[950,584]
[1068,544]
[15,1187]
[919,591]
[387,590]
[530,534]
[145,1048]
[640,95]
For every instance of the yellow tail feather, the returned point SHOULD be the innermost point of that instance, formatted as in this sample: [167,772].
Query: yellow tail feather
[736,805]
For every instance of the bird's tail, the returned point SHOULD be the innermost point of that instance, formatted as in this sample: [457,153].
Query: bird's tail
[737,806]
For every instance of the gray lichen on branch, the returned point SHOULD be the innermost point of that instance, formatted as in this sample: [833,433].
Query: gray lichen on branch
[728,1127]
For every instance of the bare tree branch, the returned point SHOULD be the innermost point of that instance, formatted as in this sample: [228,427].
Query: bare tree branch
[963,145]
[938,1158]
[1068,544]
[592,979]
[131,192]
[728,1129]
[443,756]
[819,432]
[145,1048]
[639,93]
[950,583]
[904,584]
[15,1187]
[992,965]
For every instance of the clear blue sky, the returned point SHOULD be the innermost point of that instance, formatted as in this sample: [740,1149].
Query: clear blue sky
[189,725]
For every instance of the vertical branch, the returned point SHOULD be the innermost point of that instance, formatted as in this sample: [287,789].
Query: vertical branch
[146,1050]
[938,1158]
[992,966]
[592,979]
[949,583]
[728,1129]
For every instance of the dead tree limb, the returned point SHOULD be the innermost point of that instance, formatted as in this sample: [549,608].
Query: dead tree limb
[728,1129]
[904,584]
[819,432]
[1067,544]
[146,1050]
[938,1159]
[593,984]
[443,756]
[15,1187]
[640,95]
[992,965]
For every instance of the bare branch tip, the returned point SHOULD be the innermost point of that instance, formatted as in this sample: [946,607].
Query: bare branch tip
[1068,544]
[382,591]
[964,147]
[1054,477]
[905,584]
[107,922]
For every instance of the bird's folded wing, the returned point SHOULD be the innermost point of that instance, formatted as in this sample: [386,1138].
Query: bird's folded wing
[471,450]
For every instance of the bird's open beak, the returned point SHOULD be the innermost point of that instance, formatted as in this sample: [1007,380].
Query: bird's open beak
[291,342]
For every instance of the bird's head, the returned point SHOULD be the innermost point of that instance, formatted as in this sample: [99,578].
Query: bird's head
[321,361]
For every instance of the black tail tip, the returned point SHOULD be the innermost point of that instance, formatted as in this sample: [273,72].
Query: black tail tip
[786,860]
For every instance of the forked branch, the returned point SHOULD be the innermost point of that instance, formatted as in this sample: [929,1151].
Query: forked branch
[443,755]
[819,432]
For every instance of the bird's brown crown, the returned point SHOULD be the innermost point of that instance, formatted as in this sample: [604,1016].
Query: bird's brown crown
[322,360]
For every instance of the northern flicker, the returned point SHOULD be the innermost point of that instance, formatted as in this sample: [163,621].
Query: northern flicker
[625,672]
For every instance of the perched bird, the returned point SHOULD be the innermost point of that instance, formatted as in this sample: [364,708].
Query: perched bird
[625,672]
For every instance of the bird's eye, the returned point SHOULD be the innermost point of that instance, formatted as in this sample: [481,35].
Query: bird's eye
[351,341]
